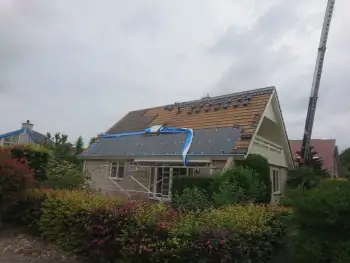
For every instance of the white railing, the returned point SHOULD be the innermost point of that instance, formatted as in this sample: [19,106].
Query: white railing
[267,144]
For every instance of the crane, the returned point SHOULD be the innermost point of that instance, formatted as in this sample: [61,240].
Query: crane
[305,147]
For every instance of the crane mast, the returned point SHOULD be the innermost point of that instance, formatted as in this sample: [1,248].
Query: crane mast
[305,148]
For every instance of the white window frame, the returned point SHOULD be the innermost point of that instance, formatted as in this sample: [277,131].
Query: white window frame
[117,165]
[276,181]
[171,175]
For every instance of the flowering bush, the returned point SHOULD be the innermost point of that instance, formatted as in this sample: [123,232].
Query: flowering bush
[36,156]
[62,174]
[65,213]
[105,230]
[15,177]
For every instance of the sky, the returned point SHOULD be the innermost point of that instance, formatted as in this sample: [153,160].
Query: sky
[77,67]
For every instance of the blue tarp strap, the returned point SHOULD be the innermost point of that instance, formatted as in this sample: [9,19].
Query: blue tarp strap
[187,144]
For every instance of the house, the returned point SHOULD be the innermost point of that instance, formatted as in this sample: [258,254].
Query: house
[24,135]
[141,153]
[327,150]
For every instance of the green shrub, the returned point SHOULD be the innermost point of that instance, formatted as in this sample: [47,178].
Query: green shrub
[107,230]
[304,176]
[262,167]
[203,182]
[27,210]
[237,185]
[59,222]
[230,234]
[36,156]
[64,175]
[322,221]
[191,199]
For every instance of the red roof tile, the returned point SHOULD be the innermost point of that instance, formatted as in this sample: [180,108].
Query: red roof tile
[324,148]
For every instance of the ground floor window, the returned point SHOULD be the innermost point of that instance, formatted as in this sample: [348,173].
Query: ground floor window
[275,181]
[117,170]
[183,171]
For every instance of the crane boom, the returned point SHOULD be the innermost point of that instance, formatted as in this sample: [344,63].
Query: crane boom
[305,148]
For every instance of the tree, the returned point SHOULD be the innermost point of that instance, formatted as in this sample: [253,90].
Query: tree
[314,162]
[345,162]
[94,139]
[79,145]
[305,177]
[61,148]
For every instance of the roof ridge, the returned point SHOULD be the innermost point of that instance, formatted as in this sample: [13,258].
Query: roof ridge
[259,91]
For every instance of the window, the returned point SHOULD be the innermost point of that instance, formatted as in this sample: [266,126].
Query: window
[183,171]
[7,141]
[275,181]
[117,170]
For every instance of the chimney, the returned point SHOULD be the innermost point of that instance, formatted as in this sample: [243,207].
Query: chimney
[27,125]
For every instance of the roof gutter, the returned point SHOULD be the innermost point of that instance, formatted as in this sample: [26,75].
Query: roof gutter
[191,157]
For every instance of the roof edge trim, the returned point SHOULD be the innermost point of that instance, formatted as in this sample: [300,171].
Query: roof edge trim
[11,133]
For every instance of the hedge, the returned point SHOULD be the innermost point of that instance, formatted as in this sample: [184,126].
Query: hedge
[36,156]
[114,230]
[322,222]
[205,183]
[260,165]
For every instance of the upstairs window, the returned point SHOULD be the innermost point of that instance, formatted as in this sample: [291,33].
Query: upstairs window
[155,129]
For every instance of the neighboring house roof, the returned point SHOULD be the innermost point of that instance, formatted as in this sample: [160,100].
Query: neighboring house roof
[11,133]
[221,125]
[324,148]
[37,137]
[34,135]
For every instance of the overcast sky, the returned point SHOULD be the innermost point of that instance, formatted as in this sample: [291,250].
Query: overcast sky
[77,66]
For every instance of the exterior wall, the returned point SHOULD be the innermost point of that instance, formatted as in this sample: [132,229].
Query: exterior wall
[283,172]
[218,167]
[98,171]
[23,138]
[135,183]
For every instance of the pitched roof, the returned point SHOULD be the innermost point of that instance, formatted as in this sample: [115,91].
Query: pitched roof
[243,109]
[37,137]
[324,148]
[4,135]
